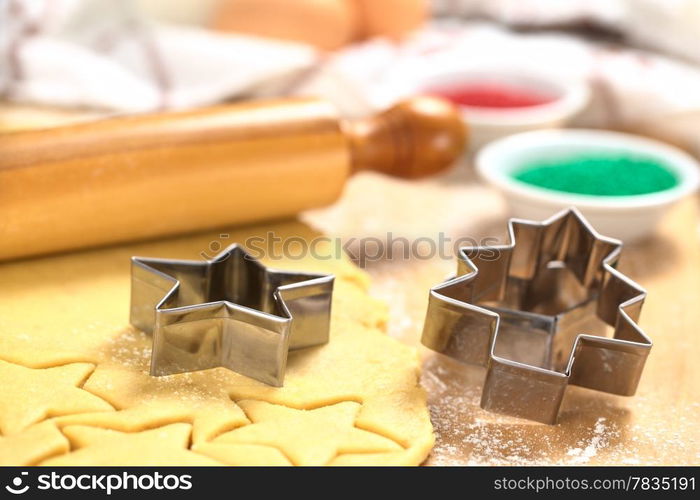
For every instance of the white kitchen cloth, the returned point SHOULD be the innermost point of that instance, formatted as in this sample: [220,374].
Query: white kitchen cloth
[102,54]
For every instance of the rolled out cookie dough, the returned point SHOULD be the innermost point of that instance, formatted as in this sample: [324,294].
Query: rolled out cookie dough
[77,390]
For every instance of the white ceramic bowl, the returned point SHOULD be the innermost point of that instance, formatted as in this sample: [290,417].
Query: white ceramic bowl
[488,124]
[628,218]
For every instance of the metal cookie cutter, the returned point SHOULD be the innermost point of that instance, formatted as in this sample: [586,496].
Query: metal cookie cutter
[230,311]
[536,312]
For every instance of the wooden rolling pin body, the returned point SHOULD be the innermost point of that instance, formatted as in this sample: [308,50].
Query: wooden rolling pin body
[151,175]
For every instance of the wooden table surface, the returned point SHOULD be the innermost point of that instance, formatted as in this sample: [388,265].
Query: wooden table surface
[660,425]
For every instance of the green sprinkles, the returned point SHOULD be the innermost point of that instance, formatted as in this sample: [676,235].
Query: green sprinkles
[598,174]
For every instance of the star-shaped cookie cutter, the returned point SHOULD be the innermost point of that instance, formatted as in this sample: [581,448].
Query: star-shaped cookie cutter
[535,312]
[229,311]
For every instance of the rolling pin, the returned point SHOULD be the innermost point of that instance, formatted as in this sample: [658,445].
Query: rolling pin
[144,176]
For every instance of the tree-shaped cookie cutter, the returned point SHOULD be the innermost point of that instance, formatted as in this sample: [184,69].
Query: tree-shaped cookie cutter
[230,311]
[535,312]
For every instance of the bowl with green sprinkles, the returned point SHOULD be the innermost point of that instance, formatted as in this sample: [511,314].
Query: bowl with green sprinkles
[623,183]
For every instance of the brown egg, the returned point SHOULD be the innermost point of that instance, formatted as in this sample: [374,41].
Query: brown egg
[326,24]
[391,18]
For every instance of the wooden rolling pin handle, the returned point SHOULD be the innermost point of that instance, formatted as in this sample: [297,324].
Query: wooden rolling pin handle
[415,138]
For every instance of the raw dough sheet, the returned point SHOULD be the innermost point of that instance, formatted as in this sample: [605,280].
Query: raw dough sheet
[76,389]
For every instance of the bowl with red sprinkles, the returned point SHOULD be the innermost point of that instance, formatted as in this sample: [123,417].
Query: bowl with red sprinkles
[496,103]
[623,183]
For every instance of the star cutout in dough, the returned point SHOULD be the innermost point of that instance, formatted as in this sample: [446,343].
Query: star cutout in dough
[32,445]
[146,402]
[307,437]
[243,454]
[161,446]
[30,395]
